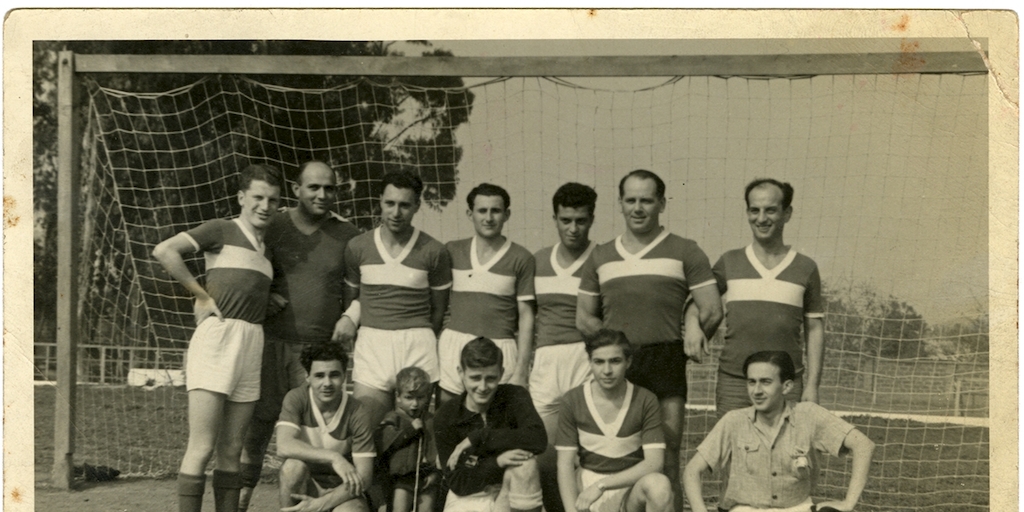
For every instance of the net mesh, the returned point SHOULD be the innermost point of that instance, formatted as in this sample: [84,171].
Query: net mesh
[891,180]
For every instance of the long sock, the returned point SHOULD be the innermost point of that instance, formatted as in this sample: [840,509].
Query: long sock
[190,492]
[226,487]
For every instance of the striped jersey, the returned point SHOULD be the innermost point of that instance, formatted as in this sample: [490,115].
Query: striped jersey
[556,289]
[394,293]
[614,446]
[348,432]
[643,294]
[485,296]
[238,273]
[765,309]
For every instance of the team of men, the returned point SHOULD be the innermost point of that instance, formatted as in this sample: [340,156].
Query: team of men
[603,326]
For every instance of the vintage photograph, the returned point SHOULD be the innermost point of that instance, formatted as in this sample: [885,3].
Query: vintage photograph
[474,273]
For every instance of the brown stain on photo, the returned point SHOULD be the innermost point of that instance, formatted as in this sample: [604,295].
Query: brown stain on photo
[903,24]
[16,495]
[909,61]
[591,12]
[10,219]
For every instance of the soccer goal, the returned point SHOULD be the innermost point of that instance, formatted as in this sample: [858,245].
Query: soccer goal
[880,147]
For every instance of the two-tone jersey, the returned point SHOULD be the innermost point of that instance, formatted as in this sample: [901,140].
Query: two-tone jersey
[394,293]
[238,273]
[765,309]
[643,294]
[309,271]
[348,432]
[485,296]
[609,447]
[556,289]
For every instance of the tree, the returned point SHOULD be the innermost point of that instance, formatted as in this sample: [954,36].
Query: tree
[859,319]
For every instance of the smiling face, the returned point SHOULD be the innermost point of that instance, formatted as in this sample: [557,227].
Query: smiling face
[259,202]
[413,402]
[398,206]
[573,226]
[765,213]
[641,206]
[765,388]
[480,384]
[316,189]
[327,380]
[488,215]
[608,365]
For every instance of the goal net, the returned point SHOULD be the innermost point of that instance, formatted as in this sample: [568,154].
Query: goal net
[890,173]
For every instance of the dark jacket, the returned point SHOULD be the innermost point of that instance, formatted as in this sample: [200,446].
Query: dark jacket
[399,443]
[512,423]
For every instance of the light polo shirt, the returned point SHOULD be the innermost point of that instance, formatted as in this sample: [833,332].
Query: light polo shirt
[238,273]
[394,293]
[765,309]
[557,288]
[348,433]
[485,296]
[766,473]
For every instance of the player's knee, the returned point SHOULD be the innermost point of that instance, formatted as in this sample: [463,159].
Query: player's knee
[528,470]
[293,473]
[656,490]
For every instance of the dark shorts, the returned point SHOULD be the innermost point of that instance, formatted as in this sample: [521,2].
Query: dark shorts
[408,482]
[661,368]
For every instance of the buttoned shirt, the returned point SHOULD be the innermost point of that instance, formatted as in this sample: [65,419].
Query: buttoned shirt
[772,473]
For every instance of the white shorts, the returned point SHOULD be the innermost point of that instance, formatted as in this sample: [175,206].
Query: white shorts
[556,370]
[482,501]
[611,500]
[380,354]
[449,350]
[803,507]
[225,357]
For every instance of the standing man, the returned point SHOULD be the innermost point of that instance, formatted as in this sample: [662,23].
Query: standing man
[492,292]
[401,276]
[306,245]
[639,284]
[224,355]
[560,361]
[770,292]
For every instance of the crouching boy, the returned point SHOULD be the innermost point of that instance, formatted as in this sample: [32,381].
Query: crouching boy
[407,447]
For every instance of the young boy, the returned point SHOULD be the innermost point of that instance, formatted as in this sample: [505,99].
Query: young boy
[407,445]
[224,355]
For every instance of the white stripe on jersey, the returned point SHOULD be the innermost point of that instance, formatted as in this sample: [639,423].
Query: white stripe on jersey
[765,290]
[482,281]
[664,267]
[567,285]
[609,446]
[394,273]
[232,256]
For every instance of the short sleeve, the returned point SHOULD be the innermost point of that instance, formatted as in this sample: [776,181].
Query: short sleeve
[652,435]
[715,448]
[697,267]
[351,258]
[814,306]
[830,430]
[291,408]
[439,276]
[208,236]
[567,437]
[525,272]
[362,432]
[719,271]
[589,283]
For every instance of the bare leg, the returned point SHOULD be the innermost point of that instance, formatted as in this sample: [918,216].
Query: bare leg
[548,464]
[652,493]
[205,415]
[520,491]
[426,502]
[402,501]
[445,395]
[294,478]
[377,402]
[673,419]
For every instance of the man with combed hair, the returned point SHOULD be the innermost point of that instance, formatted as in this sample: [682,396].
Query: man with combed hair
[488,437]
[770,292]
[325,438]
[639,284]
[615,430]
[492,292]
[306,245]
[560,359]
[768,447]
[401,276]
[224,355]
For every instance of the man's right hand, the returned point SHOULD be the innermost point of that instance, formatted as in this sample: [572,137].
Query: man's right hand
[348,474]
[206,307]
[514,458]
[344,332]
[276,304]
[695,343]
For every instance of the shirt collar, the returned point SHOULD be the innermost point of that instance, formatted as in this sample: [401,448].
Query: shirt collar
[787,413]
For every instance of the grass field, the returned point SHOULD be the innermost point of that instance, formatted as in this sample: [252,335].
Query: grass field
[917,466]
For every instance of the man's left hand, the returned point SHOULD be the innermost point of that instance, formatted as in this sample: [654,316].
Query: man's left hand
[305,504]
[453,460]
[588,497]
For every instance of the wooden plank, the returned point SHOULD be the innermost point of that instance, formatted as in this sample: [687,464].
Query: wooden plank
[67,272]
[671,65]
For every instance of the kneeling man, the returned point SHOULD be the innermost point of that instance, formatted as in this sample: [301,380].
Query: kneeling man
[615,428]
[325,437]
[768,446]
[488,437]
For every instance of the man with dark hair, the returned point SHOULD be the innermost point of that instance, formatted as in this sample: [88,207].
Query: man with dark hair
[614,429]
[306,245]
[639,283]
[492,292]
[560,360]
[767,448]
[325,438]
[401,276]
[487,438]
[771,291]
[223,362]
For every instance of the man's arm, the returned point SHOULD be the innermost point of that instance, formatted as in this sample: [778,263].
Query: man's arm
[709,304]
[346,326]
[695,344]
[438,307]
[169,253]
[337,495]
[861,449]
[814,334]
[525,343]
[567,479]
[692,474]
[528,435]
[291,446]
[588,313]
